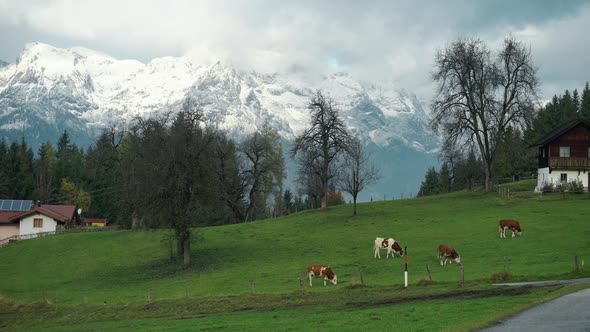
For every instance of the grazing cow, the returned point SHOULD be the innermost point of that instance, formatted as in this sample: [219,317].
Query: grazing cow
[513,225]
[446,252]
[321,271]
[386,243]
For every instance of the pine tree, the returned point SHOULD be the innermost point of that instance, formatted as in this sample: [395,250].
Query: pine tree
[567,107]
[430,185]
[576,100]
[585,103]
[444,179]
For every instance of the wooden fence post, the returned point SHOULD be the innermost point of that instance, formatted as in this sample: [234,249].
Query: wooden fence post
[361,276]
[429,273]
[302,283]
[462,276]
[152,292]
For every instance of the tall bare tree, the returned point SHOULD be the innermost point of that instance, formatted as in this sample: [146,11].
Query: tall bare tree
[264,168]
[480,94]
[356,172]
[323,141]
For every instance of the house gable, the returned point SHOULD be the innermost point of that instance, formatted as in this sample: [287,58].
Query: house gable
[37,223]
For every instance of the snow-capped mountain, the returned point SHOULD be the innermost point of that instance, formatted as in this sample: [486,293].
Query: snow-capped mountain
[50,89]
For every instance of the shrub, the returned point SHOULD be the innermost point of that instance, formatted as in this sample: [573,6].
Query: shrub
[547,187]
[561,187]
[575,186]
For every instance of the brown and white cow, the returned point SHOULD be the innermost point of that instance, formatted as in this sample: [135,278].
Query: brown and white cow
[388,244]
[446,252]
[321,271]
[513,225]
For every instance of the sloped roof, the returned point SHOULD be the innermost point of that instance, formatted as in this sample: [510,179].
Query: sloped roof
[66,211]
[6,217]
[60,213]
[555,134]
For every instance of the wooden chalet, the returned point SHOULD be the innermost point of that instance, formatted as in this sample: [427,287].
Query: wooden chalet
[564,155]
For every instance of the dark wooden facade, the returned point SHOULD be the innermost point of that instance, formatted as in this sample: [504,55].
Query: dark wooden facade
[576,136]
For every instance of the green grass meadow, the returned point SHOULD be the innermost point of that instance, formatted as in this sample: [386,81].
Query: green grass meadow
[81,271]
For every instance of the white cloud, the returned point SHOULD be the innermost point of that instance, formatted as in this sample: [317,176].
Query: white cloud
[386,40]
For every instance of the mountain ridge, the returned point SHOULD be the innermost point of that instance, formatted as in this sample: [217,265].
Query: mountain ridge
[49,89]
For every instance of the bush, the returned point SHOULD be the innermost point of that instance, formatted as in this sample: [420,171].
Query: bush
[575,186]
[547,187]
[561,187]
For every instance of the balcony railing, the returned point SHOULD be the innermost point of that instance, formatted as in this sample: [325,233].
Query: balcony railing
[569,163]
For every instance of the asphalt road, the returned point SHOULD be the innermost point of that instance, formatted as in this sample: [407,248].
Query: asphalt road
[567,313]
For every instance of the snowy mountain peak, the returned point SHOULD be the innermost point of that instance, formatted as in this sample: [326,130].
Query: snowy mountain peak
[94,90]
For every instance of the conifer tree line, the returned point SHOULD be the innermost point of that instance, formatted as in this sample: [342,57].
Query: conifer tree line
[462,167]
[124,174]
[141,176]
[181,171]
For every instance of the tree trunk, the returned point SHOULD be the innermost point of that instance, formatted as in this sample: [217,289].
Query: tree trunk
[135,222]
[354,206]
[180,247]
[187,248]
[488,176]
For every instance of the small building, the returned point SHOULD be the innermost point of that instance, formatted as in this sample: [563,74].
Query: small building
[38,219]
[564,155]
[9,209]
[95,222]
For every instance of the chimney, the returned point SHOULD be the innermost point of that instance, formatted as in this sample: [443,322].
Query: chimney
[38,203]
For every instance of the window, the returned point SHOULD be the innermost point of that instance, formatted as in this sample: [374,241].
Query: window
[564,151]
[563,177]
[37,223]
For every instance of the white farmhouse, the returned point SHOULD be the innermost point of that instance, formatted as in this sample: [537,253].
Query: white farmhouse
[564,155]
[39,219]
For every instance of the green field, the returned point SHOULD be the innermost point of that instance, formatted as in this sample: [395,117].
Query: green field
[81,271]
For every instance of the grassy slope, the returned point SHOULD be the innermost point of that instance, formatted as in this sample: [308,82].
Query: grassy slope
[118,266]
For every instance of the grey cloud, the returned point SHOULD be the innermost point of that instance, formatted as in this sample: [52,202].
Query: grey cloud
[377,40]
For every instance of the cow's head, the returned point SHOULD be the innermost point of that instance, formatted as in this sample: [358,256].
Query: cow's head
[397,248]
[458,259]
[332,277]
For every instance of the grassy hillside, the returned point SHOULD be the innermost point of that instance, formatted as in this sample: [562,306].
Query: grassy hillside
[268,256]
[123,266]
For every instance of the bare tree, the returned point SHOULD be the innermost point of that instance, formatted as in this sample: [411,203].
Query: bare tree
[479,95]
[264,168]
[324,141]
[308,179]
[356,173]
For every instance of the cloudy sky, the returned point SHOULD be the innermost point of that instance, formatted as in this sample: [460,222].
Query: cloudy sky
[373,40]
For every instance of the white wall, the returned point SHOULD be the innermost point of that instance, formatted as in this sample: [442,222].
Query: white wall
[554,177]
[26,224]
[8,230]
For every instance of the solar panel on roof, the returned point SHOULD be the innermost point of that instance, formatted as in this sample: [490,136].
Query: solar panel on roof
[15,205]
